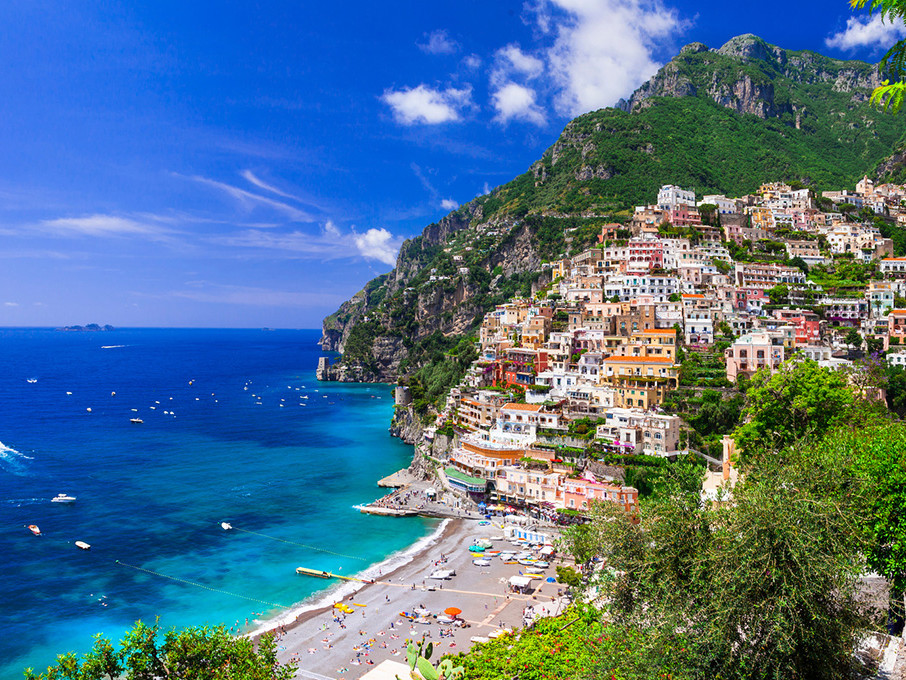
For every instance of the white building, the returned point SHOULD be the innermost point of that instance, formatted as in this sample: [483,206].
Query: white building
[670,196]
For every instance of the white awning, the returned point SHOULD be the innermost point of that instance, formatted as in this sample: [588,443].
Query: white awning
[520,581]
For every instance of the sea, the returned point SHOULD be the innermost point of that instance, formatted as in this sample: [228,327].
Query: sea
[235,429]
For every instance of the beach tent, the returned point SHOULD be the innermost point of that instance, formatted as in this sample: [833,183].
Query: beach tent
[520,581]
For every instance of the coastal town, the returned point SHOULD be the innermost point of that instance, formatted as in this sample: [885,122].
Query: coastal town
[692,296]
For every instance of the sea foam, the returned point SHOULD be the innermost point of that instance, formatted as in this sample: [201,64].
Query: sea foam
[343,589]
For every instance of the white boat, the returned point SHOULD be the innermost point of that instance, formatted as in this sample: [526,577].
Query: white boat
[136,421]
[442,574]
[83,545]
[481,563]
[226,526]
[32,380]
[63,498]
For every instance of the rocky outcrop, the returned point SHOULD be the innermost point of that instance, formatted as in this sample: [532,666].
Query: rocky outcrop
[741,75]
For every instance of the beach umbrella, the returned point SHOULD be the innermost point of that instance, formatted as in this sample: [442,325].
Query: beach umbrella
[551,579]
[453,611]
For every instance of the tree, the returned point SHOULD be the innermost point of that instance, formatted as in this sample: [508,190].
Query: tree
[779,294]
[889,95]
[763,587]
[853,339]
[197,652]
[799,400]
[880,452]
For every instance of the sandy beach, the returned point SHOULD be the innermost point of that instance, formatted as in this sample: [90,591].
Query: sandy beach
[329,644]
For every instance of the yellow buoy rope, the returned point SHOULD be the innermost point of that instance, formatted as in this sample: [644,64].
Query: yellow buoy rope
[303,545]
[199,585]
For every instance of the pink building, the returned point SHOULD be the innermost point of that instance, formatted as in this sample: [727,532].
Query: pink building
[578,494]
[645,254]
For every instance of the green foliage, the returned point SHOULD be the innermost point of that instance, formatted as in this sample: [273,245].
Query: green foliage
[569,577]
[880,453]
[799,400]
[762,587]
[200,652]
[442,361]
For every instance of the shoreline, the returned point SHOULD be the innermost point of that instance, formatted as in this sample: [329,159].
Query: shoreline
[326,643]
[304,611]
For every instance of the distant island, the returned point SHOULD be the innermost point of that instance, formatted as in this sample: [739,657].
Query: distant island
[89,327]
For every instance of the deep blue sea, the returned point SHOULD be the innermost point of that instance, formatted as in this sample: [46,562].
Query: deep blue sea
[236,429]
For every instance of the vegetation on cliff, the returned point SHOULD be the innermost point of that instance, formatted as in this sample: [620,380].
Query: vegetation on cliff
[720,121]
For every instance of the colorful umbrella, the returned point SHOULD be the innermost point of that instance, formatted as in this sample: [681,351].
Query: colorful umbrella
[452,611]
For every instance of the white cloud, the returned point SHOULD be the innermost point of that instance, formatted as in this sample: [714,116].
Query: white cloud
[423,104]
[471,62]
[438,42]
[517,102]
[871,32]
[330,229]
[249,199]
[261,184]
[10,304]
[98,225]
[378,244]
[449,204]
[511,59]
[603,48]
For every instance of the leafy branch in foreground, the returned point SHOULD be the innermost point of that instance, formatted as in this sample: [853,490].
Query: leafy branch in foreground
[197,652]
[889,95]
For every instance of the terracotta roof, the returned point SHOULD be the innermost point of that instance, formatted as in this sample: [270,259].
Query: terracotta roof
[692,295]
[660,331]
[522,407]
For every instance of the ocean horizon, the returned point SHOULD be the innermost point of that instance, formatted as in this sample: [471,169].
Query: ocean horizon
[235,429]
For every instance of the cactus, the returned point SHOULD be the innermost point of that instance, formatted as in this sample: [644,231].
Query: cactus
[418,655]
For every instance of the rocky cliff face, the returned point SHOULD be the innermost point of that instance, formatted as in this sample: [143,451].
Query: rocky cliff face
[721,120]
[742,74]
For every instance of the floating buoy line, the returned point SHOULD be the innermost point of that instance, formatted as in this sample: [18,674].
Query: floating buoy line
[283,540]
[200,585]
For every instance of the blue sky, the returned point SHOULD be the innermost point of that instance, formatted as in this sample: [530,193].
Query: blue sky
[244,164]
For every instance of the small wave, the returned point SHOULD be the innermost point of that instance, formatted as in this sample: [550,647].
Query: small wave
[13,461]
[111,346]
[341,590]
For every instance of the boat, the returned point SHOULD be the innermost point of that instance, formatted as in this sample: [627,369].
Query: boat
[32,381]
[34,529]
[481,563]
[137,421]
[227,526]
[442,574]
[312,572]
[63,498]
[83,545]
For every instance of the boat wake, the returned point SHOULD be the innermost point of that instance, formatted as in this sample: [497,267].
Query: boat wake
[13,461]
[341,590]
[111,346]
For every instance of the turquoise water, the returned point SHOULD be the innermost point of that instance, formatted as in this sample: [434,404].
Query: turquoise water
[153,495]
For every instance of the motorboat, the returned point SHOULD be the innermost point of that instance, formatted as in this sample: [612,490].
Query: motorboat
[82,545]
[34,529]
[63,498]
[481,563]
[31,381]
[527,563]
[317,573]
[541,564]
[442,574]
[534,570]
[226,526]
[137,421]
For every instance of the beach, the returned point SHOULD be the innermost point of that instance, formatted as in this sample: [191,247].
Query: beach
[328,643]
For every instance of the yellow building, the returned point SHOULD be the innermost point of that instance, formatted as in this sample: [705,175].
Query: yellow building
[639,381]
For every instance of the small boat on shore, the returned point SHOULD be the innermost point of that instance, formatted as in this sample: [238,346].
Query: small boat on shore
[312,572]
[34,529]
[82,545]
[63,498]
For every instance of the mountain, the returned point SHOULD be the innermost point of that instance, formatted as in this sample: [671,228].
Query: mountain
[718,121]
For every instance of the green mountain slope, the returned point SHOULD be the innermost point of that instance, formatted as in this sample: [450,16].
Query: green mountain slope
[721,121]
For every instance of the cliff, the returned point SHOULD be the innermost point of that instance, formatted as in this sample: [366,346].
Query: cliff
[718,121]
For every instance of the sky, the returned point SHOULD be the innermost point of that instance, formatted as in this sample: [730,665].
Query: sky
[247,163]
